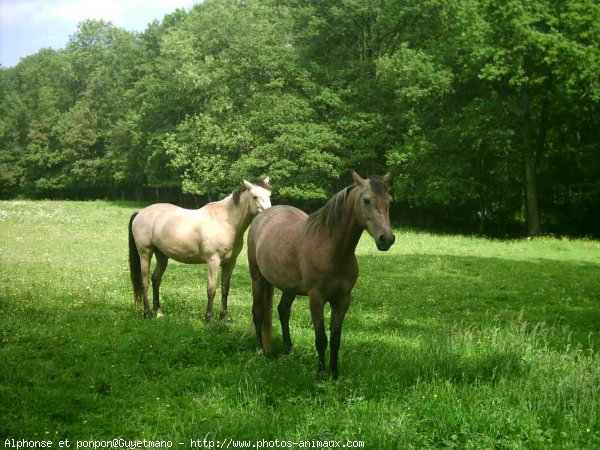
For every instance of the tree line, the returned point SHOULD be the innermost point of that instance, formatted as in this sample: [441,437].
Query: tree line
[486,113]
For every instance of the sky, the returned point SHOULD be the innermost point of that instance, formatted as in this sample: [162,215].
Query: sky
[27,26]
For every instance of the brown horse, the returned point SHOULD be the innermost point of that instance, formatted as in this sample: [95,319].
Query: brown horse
[212,235]
[314,255]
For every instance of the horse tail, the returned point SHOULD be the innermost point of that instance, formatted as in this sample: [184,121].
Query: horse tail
[262,298]
[135,267]
[267,324]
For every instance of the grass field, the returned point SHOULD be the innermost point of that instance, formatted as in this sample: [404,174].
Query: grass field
[450,342]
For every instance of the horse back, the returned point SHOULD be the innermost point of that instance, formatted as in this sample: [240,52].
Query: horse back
[274,247]
[295,259]
[179,233]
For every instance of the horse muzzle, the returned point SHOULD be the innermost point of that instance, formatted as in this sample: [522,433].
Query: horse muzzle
[385,241]
[261,208]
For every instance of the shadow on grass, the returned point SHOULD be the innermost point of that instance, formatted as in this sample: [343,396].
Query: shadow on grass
[97,368]
[437,291]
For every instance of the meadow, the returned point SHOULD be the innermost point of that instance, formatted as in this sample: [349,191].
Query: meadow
[450,342]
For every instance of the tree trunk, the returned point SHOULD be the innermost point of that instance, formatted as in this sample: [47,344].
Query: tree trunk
[532,212]
[531,195]
[482,217]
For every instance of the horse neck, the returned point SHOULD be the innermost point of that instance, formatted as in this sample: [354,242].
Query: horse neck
[239,216]
[347,232]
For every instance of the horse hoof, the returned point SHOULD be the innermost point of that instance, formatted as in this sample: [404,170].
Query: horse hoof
[147,315]
[159,313]
[207,317]
[225,318]
[288,350]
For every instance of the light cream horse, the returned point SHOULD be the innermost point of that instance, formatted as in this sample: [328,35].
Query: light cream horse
[212,235]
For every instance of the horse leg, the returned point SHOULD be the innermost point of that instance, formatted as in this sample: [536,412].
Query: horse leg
[257,311]
[262,295]
[284,310]
[145,258]
[317,304]
[159,270]
[338,312]
[225,283]
[214,263]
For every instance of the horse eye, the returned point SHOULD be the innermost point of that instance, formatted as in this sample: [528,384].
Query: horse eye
[366,201]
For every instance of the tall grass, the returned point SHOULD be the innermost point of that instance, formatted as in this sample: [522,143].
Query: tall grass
[451,342]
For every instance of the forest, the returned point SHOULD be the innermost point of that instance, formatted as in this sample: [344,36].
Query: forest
[486,113]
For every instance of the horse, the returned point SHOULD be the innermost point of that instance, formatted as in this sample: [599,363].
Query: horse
[212,235]
[314,256]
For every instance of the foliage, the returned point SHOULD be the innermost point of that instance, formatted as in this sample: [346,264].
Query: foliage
[487,114]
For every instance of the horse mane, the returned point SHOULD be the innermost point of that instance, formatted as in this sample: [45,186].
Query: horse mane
[238,192]
[327,217]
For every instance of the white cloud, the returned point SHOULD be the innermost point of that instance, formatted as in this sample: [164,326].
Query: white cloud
[13,11]
[76,11]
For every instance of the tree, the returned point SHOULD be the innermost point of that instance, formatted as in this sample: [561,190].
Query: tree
[486,113]
[13,130]
[526,50]
[36,96]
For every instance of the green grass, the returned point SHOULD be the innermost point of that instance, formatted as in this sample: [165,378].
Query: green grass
[451,342]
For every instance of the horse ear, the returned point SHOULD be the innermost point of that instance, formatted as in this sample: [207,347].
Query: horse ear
[248,185]
[386,178]
[266,180]
[360,181]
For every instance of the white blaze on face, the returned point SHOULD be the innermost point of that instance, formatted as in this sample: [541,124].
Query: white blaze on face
[261,197]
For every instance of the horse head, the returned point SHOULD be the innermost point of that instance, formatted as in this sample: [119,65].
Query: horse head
[372,208]
[260,193]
